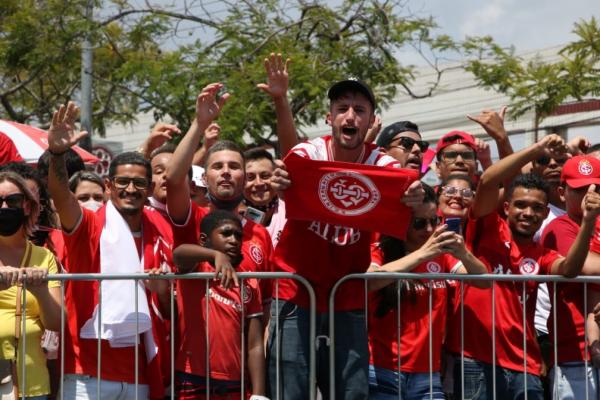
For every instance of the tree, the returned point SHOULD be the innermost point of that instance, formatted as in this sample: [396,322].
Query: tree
[537,85]
[137,69]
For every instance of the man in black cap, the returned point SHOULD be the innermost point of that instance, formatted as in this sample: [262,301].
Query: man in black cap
[402,141]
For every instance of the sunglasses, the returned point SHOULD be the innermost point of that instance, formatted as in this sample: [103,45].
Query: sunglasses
[14,200]
[123,182]
[453,155]
[408,143]
[450,191]
[421,223]
[546,160]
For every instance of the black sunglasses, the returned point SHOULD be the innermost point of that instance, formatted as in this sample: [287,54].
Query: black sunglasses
[14,200]
[408,143]
[421,223]
[545,160]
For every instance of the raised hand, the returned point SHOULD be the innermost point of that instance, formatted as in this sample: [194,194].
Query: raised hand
[484,153]
[159,135]
[590,205]
[492,122]
[373,131]
[211,135]
[62,135]
[277,76]
[578,145]
[208,106]
[413,197]
[553,145]
[280,181]
[439,242]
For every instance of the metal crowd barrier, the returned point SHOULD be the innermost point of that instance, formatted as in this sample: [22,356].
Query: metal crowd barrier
[206,276]
[398,277]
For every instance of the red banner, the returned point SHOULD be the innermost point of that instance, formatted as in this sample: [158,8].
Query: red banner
[360,196]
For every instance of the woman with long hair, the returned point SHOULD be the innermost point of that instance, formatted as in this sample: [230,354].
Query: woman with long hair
[24,265]
[410,363]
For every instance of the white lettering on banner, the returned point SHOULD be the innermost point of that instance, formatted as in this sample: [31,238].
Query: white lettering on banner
[338,235]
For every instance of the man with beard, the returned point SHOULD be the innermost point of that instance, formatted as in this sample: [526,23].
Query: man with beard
[120,238]
[402,141]
[333,252]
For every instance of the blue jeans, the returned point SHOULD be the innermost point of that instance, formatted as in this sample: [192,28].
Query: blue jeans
[351,354]
[509,384]
[571,381]
[383,385]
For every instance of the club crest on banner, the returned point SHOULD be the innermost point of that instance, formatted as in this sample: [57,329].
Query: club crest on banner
[529,266]
[348,193]
[585,167]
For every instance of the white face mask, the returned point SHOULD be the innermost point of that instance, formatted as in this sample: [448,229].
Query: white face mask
[92,205]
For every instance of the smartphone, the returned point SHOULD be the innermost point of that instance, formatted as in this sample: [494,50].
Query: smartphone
[255,215]
[454,225]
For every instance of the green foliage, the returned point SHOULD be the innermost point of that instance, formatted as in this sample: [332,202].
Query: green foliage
[536,85]
[138,68]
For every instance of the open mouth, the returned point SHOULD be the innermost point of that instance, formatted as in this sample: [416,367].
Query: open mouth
[349,130]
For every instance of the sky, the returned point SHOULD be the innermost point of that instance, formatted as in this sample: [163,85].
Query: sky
[526,24]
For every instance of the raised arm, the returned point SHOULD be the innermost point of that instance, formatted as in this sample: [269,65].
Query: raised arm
[61,137]
[571,265]
[178,191]
[277,86]
[493,123]
[211,135]
[159,135]
[486,197]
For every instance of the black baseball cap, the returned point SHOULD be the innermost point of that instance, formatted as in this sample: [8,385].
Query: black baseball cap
[390,131]
[352,85]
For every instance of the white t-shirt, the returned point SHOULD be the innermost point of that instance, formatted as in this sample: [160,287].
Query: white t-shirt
[543,305]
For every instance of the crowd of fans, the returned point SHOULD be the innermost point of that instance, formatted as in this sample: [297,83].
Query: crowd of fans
[207,206]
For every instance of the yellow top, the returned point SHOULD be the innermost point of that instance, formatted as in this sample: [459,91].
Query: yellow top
[37,382]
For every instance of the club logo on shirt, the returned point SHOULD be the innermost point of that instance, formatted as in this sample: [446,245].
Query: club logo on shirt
[529,266]
[585,167]
[348,193]
[256,253]
[433,267]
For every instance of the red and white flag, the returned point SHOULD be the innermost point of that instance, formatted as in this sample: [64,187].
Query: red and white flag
[360,196]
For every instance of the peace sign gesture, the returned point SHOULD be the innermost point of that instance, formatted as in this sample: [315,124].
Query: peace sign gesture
[61,135]
[277,76]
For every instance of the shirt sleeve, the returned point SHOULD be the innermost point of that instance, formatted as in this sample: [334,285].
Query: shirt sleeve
[547,259]
[82,244]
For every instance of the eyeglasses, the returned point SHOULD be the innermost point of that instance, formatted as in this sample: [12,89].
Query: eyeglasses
[453,155]
[14,200]
[408,143]
[450,191]
[544,160]
[123,182]
[421,223]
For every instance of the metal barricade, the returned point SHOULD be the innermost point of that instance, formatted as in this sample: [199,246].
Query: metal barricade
[495,278]
[136,278]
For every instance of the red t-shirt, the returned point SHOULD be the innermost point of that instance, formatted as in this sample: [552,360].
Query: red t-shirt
[224,325]
[559,235]
[83,247]
[414,322]
[256,245]
[595,245]
[324,253]
[8,150]
[502,255]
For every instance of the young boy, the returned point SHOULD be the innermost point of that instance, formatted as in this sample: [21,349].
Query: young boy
[219,250]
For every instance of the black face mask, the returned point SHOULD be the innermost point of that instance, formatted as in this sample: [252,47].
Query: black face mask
[11,219]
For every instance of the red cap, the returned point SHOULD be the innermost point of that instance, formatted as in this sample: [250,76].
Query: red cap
[456,137]
[581,171]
